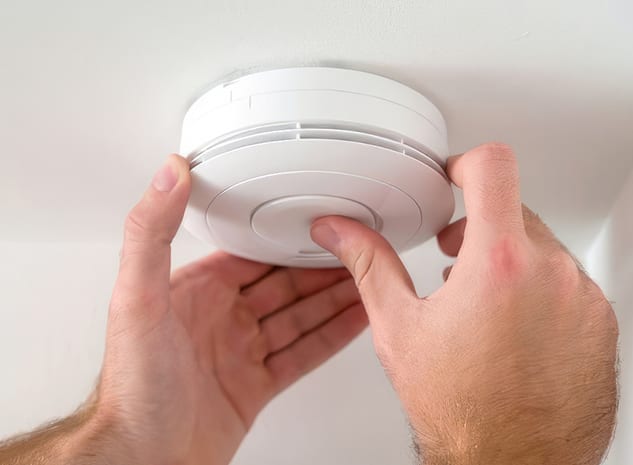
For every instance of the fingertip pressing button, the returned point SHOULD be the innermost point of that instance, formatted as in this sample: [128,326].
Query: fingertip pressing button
[287,221]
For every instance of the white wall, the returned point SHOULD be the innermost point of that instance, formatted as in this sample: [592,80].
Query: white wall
[53,308]
[610,263]
[53,302]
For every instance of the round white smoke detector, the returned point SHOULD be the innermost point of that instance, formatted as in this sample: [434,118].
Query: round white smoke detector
[272,151]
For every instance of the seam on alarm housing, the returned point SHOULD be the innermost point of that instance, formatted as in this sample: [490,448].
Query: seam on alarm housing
[279,132]
[363,95]
[249,96]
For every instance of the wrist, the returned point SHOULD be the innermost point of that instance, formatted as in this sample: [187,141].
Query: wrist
[98,439]
[83,438]
[449,450]
[501,445]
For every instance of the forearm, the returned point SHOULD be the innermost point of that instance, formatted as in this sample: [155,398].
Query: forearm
[82,438]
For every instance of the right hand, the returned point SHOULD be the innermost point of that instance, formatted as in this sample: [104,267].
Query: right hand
[513,360]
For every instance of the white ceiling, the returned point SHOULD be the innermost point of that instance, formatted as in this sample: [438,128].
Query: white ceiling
[92,95]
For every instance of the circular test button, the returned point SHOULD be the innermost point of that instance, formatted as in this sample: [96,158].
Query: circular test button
[286,221]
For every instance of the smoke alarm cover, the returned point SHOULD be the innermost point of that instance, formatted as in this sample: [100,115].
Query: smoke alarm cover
[272,151]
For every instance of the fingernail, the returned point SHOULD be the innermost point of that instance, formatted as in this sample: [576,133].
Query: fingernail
[165,178]
[326,237]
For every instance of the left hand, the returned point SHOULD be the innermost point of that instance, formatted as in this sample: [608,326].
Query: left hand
[191,360]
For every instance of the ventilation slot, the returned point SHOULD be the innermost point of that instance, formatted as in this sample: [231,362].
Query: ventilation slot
[297,131]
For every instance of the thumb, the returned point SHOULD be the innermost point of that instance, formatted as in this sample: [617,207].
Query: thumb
[382,280]
[143,280]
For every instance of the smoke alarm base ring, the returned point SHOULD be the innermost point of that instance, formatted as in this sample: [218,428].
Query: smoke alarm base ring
[272,151]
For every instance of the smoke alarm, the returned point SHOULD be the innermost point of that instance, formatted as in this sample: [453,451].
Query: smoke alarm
[272,151]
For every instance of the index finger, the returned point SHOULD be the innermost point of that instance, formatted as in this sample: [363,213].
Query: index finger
[489,177]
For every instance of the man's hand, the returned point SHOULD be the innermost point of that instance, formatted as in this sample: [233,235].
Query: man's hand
[513,360]
[190,362]
[191,359]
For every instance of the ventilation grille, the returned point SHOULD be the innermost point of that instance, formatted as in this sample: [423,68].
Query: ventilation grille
[297,131]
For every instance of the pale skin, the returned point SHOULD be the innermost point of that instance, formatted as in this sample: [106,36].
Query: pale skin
[511,361]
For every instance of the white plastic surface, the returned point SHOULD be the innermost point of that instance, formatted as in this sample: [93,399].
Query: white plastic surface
[273,151]
[286,221]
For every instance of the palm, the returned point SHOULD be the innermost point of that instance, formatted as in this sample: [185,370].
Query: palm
[254,330]
[192,357]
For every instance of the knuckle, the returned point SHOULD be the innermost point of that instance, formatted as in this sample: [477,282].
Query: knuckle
[612,321]
[561,263]
[362,265]
[556,274]
[138,230]
[134,225]
[561,269]
[531,219]
[603,308]
[510,258]
[609,318]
